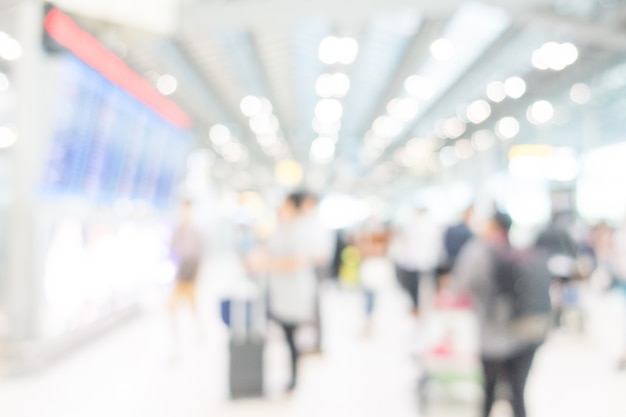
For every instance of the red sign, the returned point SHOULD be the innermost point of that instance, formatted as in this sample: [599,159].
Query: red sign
[67,33]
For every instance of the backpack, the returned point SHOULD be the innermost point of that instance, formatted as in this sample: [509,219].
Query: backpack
[524,278]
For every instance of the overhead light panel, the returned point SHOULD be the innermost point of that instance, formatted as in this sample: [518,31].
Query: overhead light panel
[483,140]
[219,134]
[387,126]
[478,111]
[322,150]
[335,50]
[167,84]
[464,148]
[540,112]
[514,87]
[233,152]
[403,109]
[507,128]
[10,49]
[442,49]
[420,87]
[328,110]
[332,85]
[555,56]
[580,93]
[448,156]
[250,106]
[454,128]
[496,91]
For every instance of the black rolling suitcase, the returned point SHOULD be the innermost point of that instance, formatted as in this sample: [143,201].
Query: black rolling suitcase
[246,319]
[246,367]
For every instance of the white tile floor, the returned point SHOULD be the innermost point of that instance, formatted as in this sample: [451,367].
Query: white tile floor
[129,372]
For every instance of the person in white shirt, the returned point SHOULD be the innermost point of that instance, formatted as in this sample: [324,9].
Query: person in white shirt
[292,280]
[321,242]
[417,250]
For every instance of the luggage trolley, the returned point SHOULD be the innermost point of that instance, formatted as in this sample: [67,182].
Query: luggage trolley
[451,377]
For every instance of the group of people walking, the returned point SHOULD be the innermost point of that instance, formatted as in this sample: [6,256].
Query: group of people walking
[470,258]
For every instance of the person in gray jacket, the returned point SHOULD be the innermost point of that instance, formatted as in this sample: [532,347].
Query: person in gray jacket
[502,354]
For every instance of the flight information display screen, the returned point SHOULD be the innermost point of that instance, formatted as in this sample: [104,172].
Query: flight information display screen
[106,145]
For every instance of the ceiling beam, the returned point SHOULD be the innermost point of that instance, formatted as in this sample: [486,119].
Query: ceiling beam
[204,17]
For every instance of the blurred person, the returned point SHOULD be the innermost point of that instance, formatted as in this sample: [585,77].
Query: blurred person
[321,245]
[504,353]
[350,261]
[556,239]
[609,246]
[292,281]
[457,235]
[376,269]
[187,246]
[417,249]
[619,244]
[454,238]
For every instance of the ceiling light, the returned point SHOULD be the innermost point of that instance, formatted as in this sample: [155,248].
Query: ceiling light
[454,127]
[334,50]
[403,109]
[416,152]
[332,85]
[4,83]
[478,111]
[464,148]
[403,158]
[442,49]
[328,110]
[555,56]
[551,55]
[483,140]
[448,156]
[219,134]
[339,84]
[10,49]
[167,84]
[419,87]
[326,128]
[540,112]
[267,140]
[323,87]
[514,87]
[288,173]
[387,126]
[538,60]
[322,150]
[580,93]
[250,106]
[328,50]
[233,152]
[8,136]
[496,91]
[348,50]
[563,165]
[507,128]
[266,106]
[262,124]
[439,130]
[569,53]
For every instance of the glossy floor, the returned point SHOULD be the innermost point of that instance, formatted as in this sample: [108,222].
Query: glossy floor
[135,370]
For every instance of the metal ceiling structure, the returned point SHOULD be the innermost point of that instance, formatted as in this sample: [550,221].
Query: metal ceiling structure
[222,51]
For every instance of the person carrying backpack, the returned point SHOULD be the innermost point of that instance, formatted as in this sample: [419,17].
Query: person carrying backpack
[510,294]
